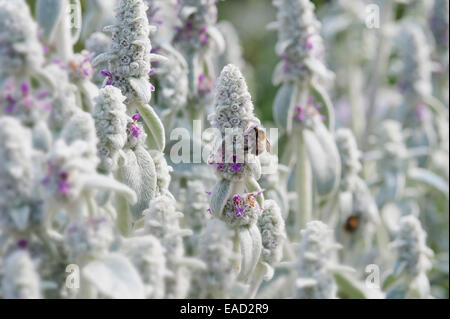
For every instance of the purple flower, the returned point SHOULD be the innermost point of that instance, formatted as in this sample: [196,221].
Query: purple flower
[301,116]
[25,88]
[11,104]
[22,243]
[136,117]
[236,167]
[238,210]
[219,166]
[64,188]
[135,130]
[108,75]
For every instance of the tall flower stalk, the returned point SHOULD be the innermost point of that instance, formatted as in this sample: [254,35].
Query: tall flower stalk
[237,198]
[196,38]
[302,108]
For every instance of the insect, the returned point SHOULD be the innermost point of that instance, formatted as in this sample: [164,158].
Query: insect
[256,141]
[351,224]
[251,200]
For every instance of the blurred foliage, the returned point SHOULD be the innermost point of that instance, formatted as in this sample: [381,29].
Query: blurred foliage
[250,18]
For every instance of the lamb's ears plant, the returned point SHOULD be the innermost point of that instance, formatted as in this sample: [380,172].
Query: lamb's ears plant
[216,250]
[413,261]
[19,37]
[71,180]
[319,273]
[148,256]
[103,273]
[162,221]
[55,19]
[237,198]
[17,176]
[302,107]
[130,64]
[196,37]
[20,279]
[273,234]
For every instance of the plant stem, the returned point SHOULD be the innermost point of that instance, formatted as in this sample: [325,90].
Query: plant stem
[303,177]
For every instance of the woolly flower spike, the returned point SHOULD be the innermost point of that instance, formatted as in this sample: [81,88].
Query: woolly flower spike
[97,43]
[173,80]
[198,18]
[299,42]
[196,211]
[22,103]
[63,98]
[439,22]
[241,210]
[111,125]
[67,165]
[80,67]
[19,46]
[20,278]
[315,253]
[147,255]
[90,238]
[413,255]
[271,226]
[350,155]
[391,140]
[16,170]
[162,172]
[129,57]
[216,251]
[417,65]
[308,112]
[162,221]
[233,104]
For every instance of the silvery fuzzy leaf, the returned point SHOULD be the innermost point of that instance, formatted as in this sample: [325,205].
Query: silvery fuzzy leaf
[98,181]
[346,203]
[429,178]
[90,91]
[349,286]
[139,173]
[436,105]
[124,219]
[215,34]
[280,47]
[142,88]
[324,158]
[250,245]
[284,106]
[156,138]
[104,57]
[20,216]
[321,95]
[48,14]
[42,137]
[115,277]
[219,196]
[319,68]
[278,74]
[157,57]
